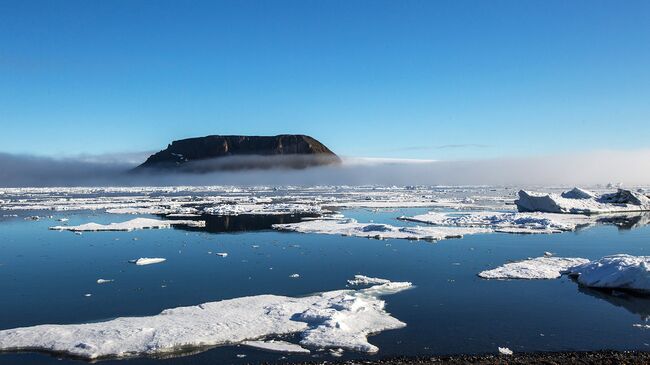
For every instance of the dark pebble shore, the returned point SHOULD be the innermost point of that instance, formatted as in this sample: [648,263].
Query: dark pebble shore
[595,357]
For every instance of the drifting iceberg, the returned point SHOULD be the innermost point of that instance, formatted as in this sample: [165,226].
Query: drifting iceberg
[578,201]
[334,319]
[623,272]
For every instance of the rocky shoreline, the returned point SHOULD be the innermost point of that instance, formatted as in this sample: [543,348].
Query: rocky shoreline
[550,358]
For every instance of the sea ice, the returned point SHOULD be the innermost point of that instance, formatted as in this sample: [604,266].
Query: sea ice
[366,280]
[505,351]
[578,201]
[350,227]
[506,222]
[334,319]
[537,268]
[277,346]
[137,223]
[148,261]
[615,272]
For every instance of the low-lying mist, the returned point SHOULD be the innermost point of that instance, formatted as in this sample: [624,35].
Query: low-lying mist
[589,168]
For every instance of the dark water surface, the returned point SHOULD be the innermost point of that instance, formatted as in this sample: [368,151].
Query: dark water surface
[44,275]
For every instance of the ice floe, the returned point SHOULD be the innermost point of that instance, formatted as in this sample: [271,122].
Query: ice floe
[335,319]
[148,261]
[505,351]
[277,346]
[133,224]
[620,272]
[623,272]
[537,268]
[506,222]
[350,227]
[578,201]
[366,280]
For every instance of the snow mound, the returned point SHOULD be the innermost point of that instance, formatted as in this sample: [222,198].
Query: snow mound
[506,222]
[615,272]
[133,224]
[350,227]
[537,268]
[578,201]
[335,319]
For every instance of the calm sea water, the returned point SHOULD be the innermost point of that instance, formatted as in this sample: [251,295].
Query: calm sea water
[44,275]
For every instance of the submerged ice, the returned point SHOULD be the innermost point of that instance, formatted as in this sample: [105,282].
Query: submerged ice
[335,319]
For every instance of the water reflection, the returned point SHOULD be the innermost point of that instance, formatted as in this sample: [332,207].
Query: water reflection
[634,303]
[243,222]
[627,221]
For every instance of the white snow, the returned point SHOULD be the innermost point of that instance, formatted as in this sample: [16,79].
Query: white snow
[334,319]
[506,222]
[350,227]
[277,346]
[137,223]
[578,201]
[366,280]
[505,351]
[537,268]
[148,261]
[615,272]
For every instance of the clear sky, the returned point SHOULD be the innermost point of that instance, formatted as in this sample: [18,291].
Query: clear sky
[411,79]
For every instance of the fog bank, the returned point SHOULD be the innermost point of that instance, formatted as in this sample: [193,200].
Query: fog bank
[589,168]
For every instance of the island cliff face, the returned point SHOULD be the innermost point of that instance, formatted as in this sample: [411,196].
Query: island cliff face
[206,154]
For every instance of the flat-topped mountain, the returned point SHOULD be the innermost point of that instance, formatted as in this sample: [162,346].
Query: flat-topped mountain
[213,153]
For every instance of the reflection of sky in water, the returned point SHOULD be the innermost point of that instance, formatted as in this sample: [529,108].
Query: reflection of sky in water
[45,274]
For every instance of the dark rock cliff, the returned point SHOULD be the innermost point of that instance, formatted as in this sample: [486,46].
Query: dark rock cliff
[206,154]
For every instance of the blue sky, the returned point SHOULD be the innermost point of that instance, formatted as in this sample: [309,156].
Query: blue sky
[412,79]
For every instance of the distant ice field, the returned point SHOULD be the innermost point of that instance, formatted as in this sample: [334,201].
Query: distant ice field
[46,274]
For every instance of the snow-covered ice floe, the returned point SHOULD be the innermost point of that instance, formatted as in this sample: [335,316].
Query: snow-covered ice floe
[263,209]
[579,201]
[366,280]
[506,222]
[537,268]
[622,272]
[350,227]
[277,346]
[137,223]
[148,261]
[335,319]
